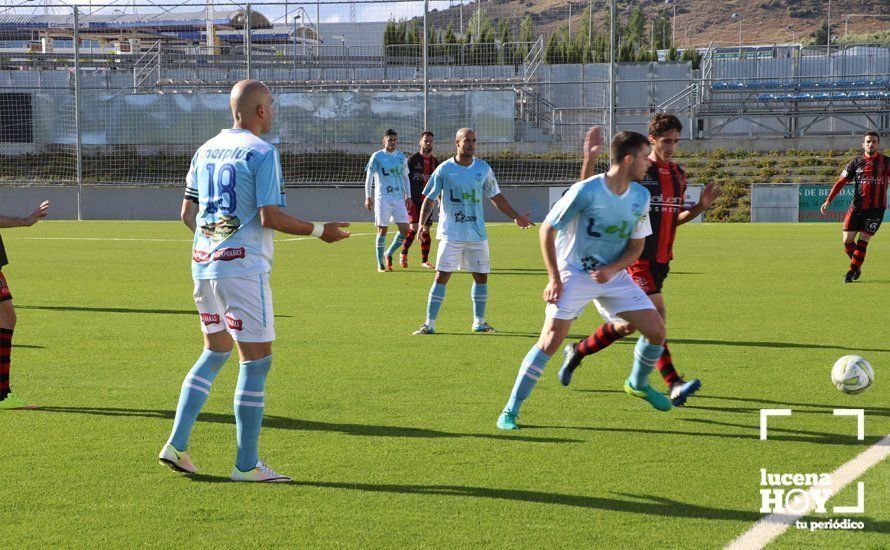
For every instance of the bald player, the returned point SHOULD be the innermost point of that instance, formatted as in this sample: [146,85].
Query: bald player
[233,199]
[461,183]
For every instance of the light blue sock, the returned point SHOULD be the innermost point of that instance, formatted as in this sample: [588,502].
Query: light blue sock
[395,245]
[645,357]
[381,244]
[531,370]
[249,403]
[479,293]
[195,389]
[437,296]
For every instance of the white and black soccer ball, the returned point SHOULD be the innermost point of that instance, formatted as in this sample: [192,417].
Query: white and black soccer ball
[852,374]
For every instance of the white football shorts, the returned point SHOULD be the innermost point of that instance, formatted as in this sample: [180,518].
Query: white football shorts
[463,256]
[389,211]
[240,305]
[579,289]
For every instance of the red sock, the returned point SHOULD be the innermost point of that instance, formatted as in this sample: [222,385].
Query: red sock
[666,368]
[5,348]
[425,241]
[409,240]
[603,337]
[858,255]
[849,248]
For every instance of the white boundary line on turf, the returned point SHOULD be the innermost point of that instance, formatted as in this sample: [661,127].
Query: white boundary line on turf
[150,240]
[773,525]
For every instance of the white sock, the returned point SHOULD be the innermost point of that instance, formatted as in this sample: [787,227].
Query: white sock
[430,323]
[478,321]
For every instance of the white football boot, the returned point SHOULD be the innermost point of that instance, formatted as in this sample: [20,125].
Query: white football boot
[178,461]
[261,473]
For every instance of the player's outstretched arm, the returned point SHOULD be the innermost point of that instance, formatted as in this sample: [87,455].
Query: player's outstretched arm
[593,146]
[38,214]
[500,202]
[273,217]
[708,195]
[547,235]
[629,256]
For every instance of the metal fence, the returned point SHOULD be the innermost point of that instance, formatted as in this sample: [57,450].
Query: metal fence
[95,95]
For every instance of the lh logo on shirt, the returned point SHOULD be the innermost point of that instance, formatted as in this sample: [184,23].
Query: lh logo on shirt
[470,197]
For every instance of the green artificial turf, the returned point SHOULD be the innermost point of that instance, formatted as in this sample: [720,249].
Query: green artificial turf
[391,438]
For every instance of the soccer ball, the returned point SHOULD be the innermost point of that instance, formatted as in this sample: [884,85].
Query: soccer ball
[852,374]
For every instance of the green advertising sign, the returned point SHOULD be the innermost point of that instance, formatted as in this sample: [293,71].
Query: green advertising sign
[811,197]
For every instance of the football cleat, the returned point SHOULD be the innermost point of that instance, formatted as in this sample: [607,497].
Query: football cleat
[13,402]
[389,263]
[569,364]
[848,278]
[427,265]
[507,421]
[424,329]
[681,391]
[857,274]
[403,261]
[261,473]
[654,398]
[178,461]
[484,328]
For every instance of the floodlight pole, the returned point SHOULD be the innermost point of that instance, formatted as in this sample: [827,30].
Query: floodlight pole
[426,66]
[77,151]
[611,72]
[247,40]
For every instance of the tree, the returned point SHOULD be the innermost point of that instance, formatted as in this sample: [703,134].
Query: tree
[526,37]
[552,50]
[820,35]
[673,54]
[636,26]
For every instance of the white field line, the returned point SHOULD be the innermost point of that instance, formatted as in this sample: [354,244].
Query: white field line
[773,525]
[148,240]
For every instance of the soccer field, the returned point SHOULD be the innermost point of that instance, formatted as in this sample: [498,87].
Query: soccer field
[392,438]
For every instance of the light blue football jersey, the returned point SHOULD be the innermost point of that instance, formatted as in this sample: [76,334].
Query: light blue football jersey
[390,171]
[231,177]
[462,189]
[595,224]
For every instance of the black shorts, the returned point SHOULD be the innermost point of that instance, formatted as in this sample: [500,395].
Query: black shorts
[649,275]
[865,220]
[414,212]
[5,294]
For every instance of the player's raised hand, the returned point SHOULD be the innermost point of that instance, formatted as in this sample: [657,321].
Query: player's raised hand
[523,221]
[369,203]
[332,232]
[38,214]
[553,291]
[709,194]
[593,141]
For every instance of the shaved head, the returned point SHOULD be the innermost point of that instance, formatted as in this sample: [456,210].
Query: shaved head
[251,103]
[462,133]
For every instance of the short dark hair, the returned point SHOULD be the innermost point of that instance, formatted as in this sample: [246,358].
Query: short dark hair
[627,143]
[872,134]
[663,123]
[390,132]
[427,133]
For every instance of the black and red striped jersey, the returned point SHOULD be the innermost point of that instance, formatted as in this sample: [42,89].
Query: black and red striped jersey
[666,183]
[420,168]
[870,176]
[3,259]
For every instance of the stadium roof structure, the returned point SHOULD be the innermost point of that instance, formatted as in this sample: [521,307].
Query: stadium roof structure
[177,27]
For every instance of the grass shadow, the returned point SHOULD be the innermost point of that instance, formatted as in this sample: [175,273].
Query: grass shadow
[284,423]
[120,310]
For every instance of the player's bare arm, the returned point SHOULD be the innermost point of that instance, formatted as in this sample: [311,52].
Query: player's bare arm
[500,202]
[553,290]
[593,146]
[275,218]
[38,214]
[189,214]
[708,195]
[629,256]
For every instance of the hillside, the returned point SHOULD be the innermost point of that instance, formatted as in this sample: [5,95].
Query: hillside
[698,22]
